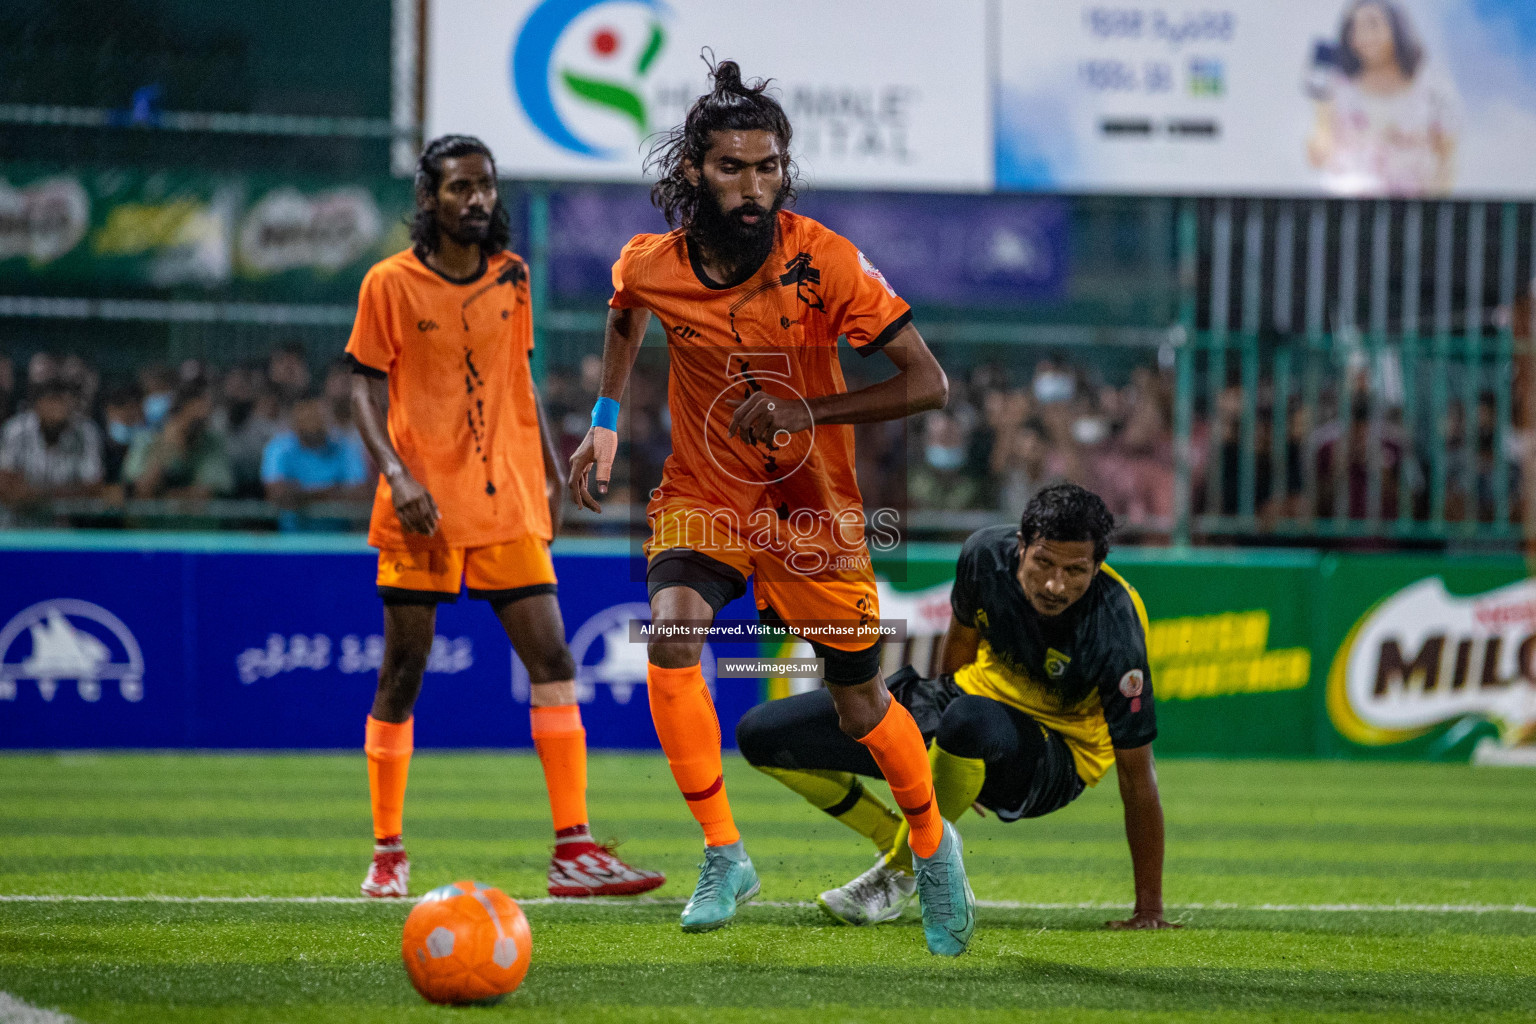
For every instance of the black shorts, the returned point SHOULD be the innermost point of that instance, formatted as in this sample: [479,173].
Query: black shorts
[719,584]
[1030,768]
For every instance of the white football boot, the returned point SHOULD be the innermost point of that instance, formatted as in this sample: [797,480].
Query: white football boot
[878,895]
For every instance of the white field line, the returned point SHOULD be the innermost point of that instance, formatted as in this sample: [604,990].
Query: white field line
[545,901]
[15,1011]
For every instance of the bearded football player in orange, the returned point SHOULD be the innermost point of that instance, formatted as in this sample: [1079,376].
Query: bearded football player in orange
[761,478]
[469,491]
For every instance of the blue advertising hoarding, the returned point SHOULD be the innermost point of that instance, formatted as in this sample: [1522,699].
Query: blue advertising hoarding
[237,645]
[948,250]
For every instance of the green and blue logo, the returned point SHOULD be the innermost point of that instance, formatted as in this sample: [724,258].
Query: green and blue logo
[614,64]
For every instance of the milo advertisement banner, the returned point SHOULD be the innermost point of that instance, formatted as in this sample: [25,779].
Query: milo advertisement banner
[1437,658]
[296,238]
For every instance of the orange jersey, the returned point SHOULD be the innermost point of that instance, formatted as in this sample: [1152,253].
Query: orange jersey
[775,332]
[462,411]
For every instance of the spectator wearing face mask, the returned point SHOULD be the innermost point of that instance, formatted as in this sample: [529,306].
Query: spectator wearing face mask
[185,458]
[940,480]
[123,422]
[49,451]
[1054,383]
[158,386]
[313,462]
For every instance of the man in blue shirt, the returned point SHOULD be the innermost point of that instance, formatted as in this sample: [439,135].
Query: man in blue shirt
[310,463]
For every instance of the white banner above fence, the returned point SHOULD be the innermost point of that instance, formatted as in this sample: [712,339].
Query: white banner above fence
[880,95]
[1305,97]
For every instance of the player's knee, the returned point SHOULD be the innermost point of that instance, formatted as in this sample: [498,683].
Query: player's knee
[859,709]
[755,735]
[673,654]
[965,726]
[402,670]
[554,665]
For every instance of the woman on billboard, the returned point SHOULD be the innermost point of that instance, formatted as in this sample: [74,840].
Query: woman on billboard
[1385,122]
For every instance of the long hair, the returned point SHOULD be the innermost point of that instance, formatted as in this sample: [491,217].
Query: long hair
[730,105]
[1406,48]
[429,175]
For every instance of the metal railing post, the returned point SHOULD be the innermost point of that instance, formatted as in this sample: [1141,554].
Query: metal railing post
[538,272]
[1184,373]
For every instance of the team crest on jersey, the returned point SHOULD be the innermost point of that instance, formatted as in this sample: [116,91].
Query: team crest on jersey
[873,271]
[806,279]
[1056,663]
[1132,682]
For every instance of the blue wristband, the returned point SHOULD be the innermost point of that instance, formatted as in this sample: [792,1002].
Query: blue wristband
[606,413]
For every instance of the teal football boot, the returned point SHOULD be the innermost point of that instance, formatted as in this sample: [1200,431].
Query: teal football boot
[949,908]
[726,878]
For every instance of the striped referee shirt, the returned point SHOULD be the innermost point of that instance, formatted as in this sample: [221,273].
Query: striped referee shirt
[75,458]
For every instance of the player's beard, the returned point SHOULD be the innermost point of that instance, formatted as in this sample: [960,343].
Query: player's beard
[730,240]
[470,232]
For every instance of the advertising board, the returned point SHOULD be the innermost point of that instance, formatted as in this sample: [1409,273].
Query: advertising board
[885,96]
[1309,97]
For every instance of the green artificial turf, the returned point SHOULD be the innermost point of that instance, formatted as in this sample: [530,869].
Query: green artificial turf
[1244,835]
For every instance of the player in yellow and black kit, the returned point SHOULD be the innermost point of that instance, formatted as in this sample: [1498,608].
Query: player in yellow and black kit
[1044,684]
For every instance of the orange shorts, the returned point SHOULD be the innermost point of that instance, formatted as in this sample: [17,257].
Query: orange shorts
[823,591]
[498,572]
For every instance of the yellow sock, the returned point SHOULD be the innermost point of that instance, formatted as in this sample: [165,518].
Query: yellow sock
[844,796]
[957,782]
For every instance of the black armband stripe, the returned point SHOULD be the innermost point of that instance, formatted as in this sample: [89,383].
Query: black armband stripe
[364,369]
[883,338]
[848,802]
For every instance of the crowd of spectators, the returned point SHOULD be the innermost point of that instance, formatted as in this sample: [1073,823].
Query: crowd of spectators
[274,430]
[1000,439]
[194,432]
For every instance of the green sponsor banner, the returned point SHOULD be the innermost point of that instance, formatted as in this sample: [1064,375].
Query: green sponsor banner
[1426,658]
[1228,643]
[1284,654]
[252,236]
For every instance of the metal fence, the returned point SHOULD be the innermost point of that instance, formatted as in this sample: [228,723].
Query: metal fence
[1354,370]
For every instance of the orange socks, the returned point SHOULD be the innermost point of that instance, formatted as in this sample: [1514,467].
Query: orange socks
[562,746]
[388,746]
[898,748]
[689,731]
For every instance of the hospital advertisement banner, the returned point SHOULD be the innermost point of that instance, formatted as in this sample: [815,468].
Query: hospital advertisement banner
[1384,98]
[882,96]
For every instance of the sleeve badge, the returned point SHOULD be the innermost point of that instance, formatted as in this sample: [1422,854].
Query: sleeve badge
[874,272]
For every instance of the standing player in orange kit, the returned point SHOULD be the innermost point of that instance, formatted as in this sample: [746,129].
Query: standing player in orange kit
[761,480]
[469,490]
